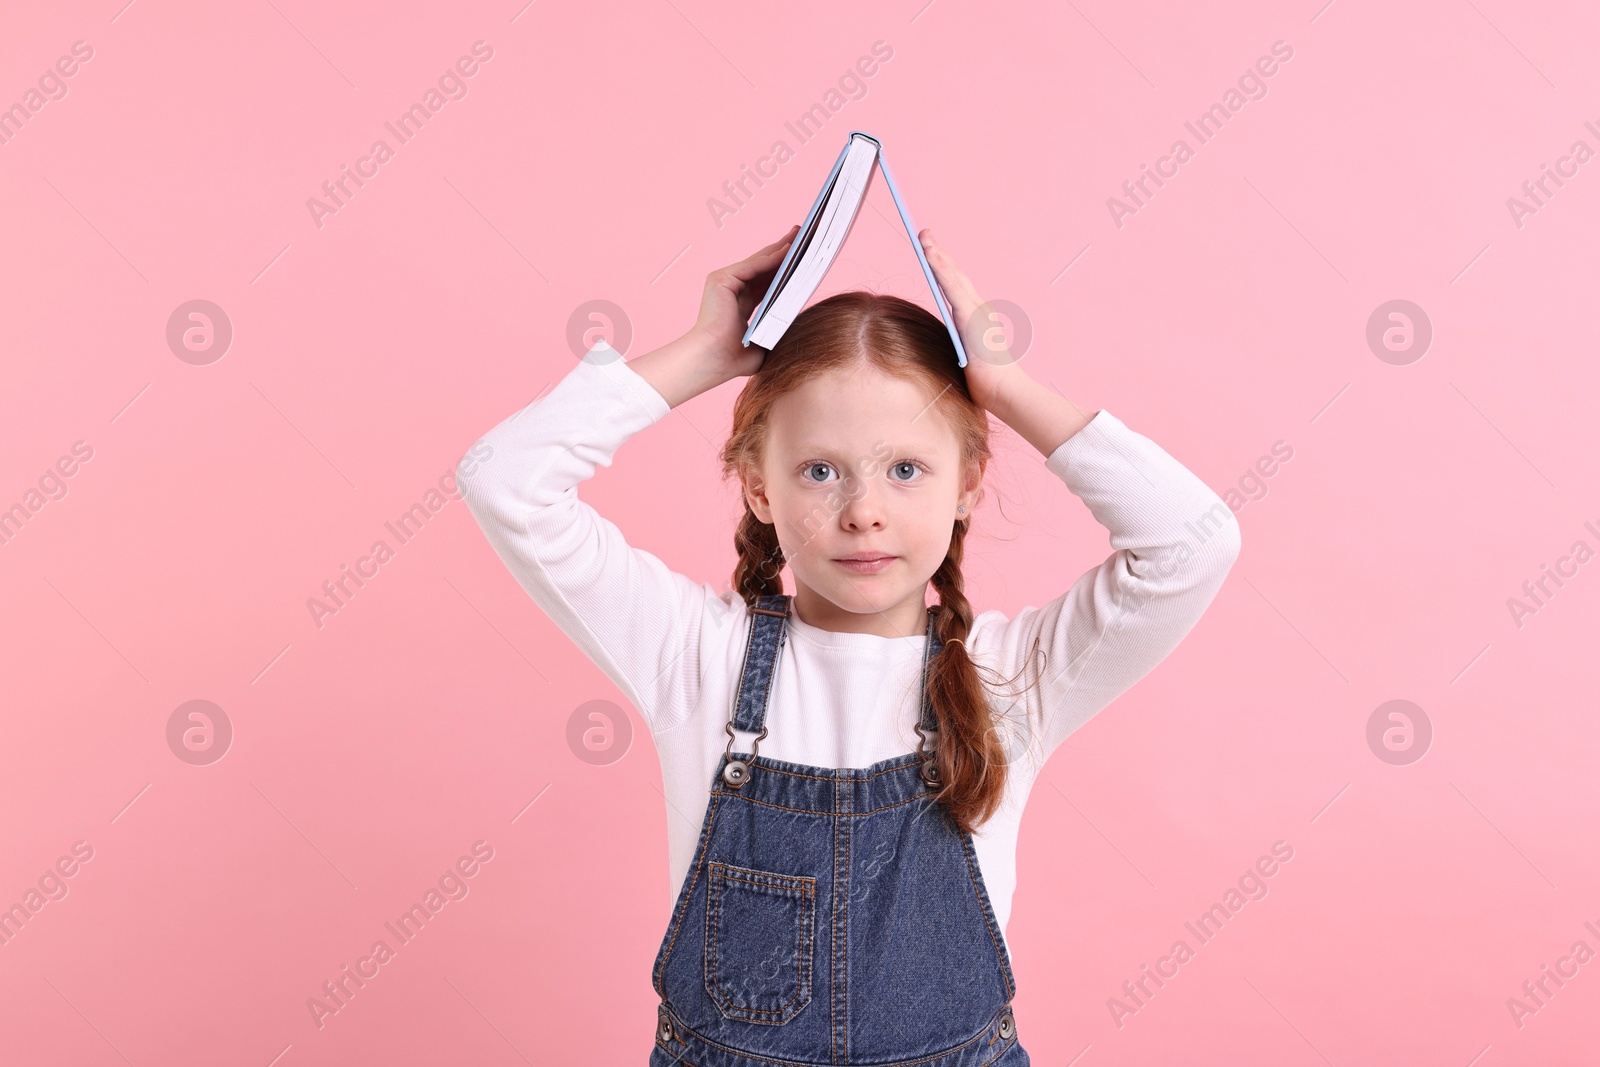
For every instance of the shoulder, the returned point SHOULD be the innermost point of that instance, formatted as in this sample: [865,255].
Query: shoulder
[996,639]
[725,610]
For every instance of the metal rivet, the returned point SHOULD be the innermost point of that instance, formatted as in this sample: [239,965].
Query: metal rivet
[736,773]
[664,1029]
[1008,1026]
[930,772]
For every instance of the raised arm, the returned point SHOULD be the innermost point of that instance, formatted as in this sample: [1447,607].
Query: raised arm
[636,619]
[1174,540]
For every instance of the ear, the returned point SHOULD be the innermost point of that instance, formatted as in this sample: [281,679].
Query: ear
[755,495]
[972,487]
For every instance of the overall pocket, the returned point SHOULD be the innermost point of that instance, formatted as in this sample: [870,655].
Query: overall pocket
[759,936]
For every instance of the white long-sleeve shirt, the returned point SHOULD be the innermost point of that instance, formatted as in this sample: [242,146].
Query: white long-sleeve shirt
[674,647]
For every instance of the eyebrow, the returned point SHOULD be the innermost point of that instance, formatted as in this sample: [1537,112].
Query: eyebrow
[924,447]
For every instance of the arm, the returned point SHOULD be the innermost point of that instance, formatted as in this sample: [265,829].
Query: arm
[639,621]
[1174,541]
[633,617]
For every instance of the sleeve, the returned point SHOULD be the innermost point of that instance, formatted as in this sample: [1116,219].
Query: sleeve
[636,619]
[1174,541]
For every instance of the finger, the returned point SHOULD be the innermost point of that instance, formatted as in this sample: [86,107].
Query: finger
[937,253]
[941,263]
[938,259]
[958,287]
[783,242]
[779,243]
[766,259]
[757,288]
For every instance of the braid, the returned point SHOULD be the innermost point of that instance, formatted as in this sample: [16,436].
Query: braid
[760,558]
[972,762]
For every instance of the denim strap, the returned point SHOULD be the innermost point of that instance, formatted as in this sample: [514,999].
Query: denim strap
[768,628]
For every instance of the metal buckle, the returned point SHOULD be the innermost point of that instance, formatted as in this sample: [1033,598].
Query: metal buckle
[737,771]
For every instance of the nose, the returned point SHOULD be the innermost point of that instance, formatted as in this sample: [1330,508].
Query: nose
[863,509]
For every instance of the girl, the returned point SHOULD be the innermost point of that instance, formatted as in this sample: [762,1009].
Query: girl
[841,886]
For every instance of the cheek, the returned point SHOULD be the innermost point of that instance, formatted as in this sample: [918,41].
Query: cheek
[933,539]
[804,523]
[780,508]
[931,552]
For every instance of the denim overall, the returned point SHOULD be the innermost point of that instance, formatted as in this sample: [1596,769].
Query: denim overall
[830,916]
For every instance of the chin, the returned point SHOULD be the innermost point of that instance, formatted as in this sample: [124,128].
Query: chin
[868,599]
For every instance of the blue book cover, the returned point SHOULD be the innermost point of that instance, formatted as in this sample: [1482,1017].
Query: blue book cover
[802,239]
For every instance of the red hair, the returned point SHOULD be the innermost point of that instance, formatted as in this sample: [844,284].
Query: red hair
[904,340]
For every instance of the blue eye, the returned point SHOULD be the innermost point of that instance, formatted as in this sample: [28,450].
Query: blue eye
[907,463]
[813,466]
[911,468]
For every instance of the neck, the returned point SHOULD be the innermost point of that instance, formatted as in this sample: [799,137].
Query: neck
[905,618]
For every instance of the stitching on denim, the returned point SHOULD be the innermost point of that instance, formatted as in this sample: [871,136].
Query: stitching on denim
[805,889]
[844,792]
[983,905]
[807,944]
[714,922]
[828,814]
[749,650]
[677,1058]
[835,777]
[683,905]
[898,1063]
[774,643]
[997,1055]
[834,952]
[713,926]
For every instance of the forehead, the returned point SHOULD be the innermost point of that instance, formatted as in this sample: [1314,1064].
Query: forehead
[852,410]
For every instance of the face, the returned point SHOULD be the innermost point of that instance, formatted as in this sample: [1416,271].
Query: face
[859,463]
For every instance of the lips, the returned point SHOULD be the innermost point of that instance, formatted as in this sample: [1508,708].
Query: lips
[865,563]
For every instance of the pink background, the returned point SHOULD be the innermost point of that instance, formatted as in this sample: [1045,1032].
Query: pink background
[1227,315]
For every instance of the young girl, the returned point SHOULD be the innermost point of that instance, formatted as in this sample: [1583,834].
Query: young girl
[844,789]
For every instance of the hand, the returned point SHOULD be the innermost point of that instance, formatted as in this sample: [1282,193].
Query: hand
[990,369]
[730,296]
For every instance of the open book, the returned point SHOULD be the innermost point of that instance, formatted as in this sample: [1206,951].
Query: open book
[822,236]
